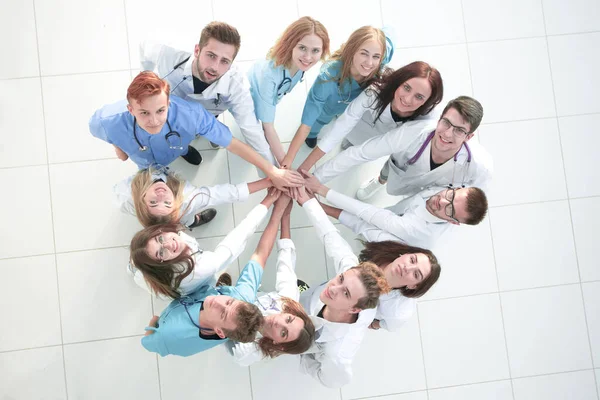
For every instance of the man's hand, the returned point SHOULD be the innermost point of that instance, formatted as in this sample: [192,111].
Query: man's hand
[283,204]
[153,323]
[301,195]
[313,184]
[283,178]
[120,154]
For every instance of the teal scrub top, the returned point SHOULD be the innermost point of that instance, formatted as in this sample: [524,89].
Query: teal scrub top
[176,333]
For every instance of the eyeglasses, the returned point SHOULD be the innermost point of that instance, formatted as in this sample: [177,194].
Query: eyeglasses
[449,209]
[456,130]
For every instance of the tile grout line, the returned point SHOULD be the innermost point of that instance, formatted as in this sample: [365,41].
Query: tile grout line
[422,352]
[62,347]
[587,326]
[67,74]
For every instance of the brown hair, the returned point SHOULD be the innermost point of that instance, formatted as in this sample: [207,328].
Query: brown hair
[162,277]
[223,33]
[146,84]
[385,252]
[469,108]
[346,52]
[298,346]
[248,321]
[388,85]
[139,186]
[477,205]
[374,282]
[281,52]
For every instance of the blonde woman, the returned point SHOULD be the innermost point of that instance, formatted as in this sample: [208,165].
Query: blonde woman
[300,47]
[156,196]
[356,65]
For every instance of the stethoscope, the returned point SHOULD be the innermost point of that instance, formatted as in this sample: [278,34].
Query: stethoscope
[187,301]
[272,306]
[339,89]
[167,136]
[414,158]
[286,81]
[216,101]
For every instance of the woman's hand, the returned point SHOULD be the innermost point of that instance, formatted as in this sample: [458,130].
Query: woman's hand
[284,204]
[301,195]
[272,196]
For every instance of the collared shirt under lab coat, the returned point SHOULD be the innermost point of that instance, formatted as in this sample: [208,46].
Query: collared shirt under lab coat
[176,334]
[114,124]
[195,199]
[329,360]
[265,80]
[408,221]
[402,144]
[327,98]
[230,92]
[359,122]
[246,354]
[207,264]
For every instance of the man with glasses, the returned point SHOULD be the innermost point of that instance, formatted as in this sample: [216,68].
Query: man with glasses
[421,157]
[418,220]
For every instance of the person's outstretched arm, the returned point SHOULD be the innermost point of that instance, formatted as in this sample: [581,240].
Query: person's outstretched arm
[267,240]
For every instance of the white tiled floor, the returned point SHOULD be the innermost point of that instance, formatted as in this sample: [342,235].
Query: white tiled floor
[515,315]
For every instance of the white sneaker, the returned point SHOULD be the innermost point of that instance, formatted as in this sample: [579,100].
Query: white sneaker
[368,189]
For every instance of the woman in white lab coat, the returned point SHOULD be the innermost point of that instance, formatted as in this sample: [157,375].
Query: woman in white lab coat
[168,262]
[288,329]
[407,94]
[157,196]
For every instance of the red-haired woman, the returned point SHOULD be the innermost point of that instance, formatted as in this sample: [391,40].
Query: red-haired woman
[299,48]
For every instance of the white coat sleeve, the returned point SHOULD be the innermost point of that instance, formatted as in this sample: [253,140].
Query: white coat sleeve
[335,245]
[330,372]
[372,149]
[286,282]
[241,106]
[368,231]
[211,263]
[208,196]
[149,54]
[123,198]
[394,310]
[484,167]
[244,354]
[347,121]
[383,219]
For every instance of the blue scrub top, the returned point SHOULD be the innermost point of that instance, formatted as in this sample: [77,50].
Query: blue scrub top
[268,85]
[327,98]
[114,124]
[177,335]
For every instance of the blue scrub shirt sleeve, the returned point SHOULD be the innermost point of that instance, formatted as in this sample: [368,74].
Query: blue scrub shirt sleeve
[154,342]
[211,128]
[264,94]
[96,127]
[249,281]
[320,91]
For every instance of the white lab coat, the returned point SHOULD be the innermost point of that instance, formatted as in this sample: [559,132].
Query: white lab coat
[359,122]
[393,309]
[402,144]
[207,264]
[195,199]
[246,354]
[230,92]
[408,221]
[329,360]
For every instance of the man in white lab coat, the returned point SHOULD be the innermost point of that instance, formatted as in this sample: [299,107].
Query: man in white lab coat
[208,77]
[418,220]
[343,307]
[436,155]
